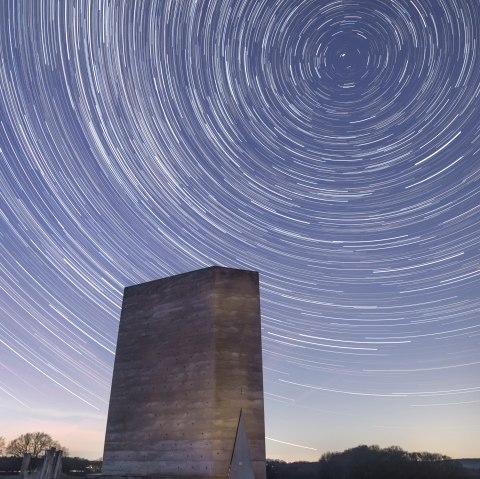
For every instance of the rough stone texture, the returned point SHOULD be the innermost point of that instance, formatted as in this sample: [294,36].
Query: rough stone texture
[188,361]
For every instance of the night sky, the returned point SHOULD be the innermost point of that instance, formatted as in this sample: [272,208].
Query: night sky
[331,145]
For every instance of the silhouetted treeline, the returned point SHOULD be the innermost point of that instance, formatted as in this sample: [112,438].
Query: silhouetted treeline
[362,462]
[372,462]
[70,465]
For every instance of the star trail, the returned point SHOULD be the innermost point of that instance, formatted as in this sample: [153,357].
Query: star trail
[331,145]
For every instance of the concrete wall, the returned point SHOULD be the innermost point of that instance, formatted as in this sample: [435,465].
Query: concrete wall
[188,360]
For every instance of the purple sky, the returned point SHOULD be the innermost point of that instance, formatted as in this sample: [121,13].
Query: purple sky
[330,145]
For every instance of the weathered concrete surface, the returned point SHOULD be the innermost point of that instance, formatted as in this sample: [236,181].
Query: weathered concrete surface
[188,360]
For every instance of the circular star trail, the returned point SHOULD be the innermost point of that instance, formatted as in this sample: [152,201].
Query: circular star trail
[330,145]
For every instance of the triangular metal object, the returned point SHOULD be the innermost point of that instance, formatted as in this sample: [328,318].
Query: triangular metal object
[241,466]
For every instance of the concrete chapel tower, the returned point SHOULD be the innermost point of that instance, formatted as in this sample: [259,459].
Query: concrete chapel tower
[187,383]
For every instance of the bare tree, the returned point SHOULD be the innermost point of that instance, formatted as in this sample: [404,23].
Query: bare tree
[2,445]
[35,443]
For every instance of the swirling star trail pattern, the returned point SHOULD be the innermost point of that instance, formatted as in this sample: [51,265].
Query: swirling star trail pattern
[332,145]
